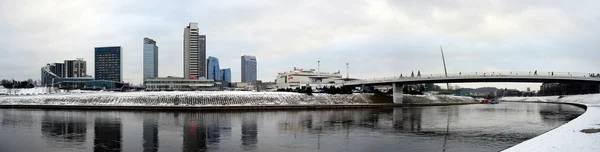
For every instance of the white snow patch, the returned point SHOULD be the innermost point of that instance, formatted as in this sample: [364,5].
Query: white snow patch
[567,137]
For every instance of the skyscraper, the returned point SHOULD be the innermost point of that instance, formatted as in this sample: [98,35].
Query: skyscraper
[226,75]
[213,70]
[109,63]
[194,52]
[75,68]
[150,59]
[248,68]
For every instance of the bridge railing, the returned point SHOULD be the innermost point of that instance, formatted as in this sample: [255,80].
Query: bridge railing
[483,74]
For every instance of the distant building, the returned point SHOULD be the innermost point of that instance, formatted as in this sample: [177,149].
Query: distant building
[213,70]
[75,68]
[150,59]
[194,52]
[179,84]
[109,63]
[248,68]
[226,75]
[58,69]
[300,77]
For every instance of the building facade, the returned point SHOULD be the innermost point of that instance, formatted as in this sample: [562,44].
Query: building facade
[226,75]
[248,68]
[58,69]
[109,63]
[213,69]
[300,78]
[150,59]
[194,52]
[75,68]
[178,84]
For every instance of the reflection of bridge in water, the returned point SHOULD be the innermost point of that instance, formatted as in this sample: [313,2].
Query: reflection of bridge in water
[399,82]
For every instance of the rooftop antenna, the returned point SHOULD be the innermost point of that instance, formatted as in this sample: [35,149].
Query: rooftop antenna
[445,71]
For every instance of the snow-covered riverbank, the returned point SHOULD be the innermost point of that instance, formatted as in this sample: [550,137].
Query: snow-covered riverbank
[577,135]
[214,98]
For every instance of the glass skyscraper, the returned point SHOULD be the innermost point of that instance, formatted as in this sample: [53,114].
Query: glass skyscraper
[213,70]
[108,63]
[150,59]
[226,75]
[248,68]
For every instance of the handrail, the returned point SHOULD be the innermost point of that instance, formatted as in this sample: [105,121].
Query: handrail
[538,74]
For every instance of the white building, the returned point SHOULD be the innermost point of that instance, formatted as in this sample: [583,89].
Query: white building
[300,77]
[178,84]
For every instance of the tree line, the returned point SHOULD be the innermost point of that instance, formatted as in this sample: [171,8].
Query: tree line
[14,84]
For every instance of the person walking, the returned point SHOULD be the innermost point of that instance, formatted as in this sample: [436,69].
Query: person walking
[552,73]
[535,72]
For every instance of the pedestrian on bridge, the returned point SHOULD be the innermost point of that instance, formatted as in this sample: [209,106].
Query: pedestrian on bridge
[535,73]
[552,73]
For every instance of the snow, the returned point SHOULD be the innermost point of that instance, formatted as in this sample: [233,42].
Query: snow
[436,98]
[199,98]
[567,137]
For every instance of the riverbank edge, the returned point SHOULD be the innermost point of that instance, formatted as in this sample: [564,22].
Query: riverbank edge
[558,139]
[226,108]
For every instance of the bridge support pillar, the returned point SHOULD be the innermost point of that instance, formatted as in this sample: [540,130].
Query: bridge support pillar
[398,93]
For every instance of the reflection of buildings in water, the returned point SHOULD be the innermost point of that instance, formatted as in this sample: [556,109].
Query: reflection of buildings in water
[63,127]
[194,133]
[107,132]
[408,119]
[249,133]
[150,134]
[213,130]
[17,118]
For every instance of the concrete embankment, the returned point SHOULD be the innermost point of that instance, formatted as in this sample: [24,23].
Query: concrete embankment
[580,134]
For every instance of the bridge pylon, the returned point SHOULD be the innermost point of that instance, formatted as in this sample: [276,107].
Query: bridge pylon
[398,92]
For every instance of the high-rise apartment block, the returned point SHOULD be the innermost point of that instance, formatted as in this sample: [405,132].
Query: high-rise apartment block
[194,52]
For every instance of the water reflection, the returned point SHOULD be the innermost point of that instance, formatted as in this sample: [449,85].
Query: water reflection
[443,128]
[150,136]
[63,128]
[194,133]
[107,132]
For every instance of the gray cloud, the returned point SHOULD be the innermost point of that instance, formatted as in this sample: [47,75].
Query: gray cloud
[377,37]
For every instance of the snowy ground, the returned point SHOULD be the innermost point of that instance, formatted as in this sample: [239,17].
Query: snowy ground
[38,91]
[568,137]
[200,98]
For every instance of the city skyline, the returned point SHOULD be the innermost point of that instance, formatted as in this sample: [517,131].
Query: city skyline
[378,38]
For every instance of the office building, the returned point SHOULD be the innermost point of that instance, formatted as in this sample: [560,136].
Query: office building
[150,59]
[109,63]
[194,52]
[226,75]
[213,70]
[75,68]
[300,77]
[248,68]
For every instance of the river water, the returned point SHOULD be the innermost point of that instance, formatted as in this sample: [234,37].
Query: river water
[441,128]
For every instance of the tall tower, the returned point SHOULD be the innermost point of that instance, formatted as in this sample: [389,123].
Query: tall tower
[213,69]
[150,59]
[248,68]
[194,52]
[108,63]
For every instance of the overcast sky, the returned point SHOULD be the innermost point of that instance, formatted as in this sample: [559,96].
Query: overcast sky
[378,38]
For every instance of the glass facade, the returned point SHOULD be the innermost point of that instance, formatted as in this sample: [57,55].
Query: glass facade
[213,69]
[226,75]
[150,59]
[248,68]
[108,63]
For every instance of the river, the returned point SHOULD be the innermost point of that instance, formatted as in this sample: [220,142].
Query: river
[478,127]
